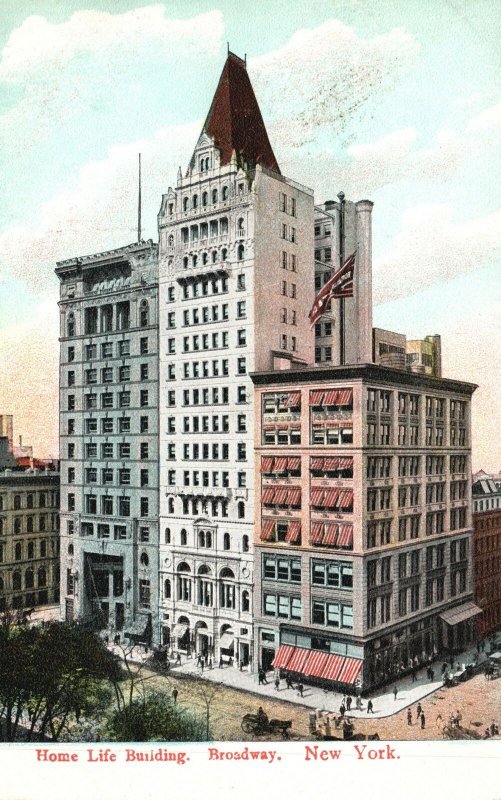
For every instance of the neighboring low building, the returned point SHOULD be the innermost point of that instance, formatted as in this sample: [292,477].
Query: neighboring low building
[487,548]
[390,349]
[29,539]
[363,557]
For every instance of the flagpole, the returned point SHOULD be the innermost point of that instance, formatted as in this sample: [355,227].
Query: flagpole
[341,262]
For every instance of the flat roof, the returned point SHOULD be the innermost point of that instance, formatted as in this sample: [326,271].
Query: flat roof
[365,372]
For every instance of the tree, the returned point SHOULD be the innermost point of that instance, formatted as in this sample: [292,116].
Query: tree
[154,717]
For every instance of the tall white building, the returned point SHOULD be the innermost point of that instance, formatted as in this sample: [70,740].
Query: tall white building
[235,277]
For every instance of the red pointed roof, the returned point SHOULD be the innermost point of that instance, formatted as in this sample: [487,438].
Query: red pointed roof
[234,120]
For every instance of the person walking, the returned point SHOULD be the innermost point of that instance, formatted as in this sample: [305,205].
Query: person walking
[409,717]
[175,694]
[288,681]
[395,692]
[419,710]
[277,683]
[413,675]
[199,660]
[210,662]
[348,702]
[178,657]
[342,709]
[300,689]
[221,662]
[423,721]
[370,707]
[260,677]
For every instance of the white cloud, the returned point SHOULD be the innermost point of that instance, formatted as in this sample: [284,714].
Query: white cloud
[99,211]
[432,247]
[488,119]
[38,45]
[321,77]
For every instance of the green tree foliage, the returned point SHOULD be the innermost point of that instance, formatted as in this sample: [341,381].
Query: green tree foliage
[154,718]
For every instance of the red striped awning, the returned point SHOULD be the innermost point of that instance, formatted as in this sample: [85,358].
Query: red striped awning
[346,498]
[298,659]
[281,493]
[331,464]
[280,464]
[317,497]
[345,536]
[294,497]
[346,463]
[345,397]
[331,534]
[315,663]
[293,463]
[294,399]
[332,667]
[316,532]
[330,398]
[268,495]
[317,463]
[269,427]
[318,424]
[283,655]
[352,668]
[267,464]
[316,397]
[267,530]
[294,533]
[331,497]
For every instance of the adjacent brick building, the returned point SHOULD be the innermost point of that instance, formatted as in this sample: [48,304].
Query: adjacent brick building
[487,548]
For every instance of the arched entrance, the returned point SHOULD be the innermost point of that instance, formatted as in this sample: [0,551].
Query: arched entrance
[202,640]
[226,643]
[181,634]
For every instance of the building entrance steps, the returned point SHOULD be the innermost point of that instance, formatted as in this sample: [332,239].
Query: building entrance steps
[384,703]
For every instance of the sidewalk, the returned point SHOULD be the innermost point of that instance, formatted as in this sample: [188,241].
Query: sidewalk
[385,705]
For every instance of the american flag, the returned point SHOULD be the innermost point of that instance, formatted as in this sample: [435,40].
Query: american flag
[339,285]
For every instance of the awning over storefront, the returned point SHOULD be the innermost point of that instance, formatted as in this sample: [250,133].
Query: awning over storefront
[345,397]
[332,667]
[315,663]
[283,656]
[316,397]
[226,641]
[298,659]
[453,616]
[352,668]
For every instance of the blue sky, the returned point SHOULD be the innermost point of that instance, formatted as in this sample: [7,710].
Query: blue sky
[395,101]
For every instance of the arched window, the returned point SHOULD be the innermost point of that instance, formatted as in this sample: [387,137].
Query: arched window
[224,193]
[70,325]
[185,262]
[18,551]
[183,567]
[214,256]
[42,577]
[241,509]
[70,550]
[144,314]
[201,538]
[226,541]
[171,240]
[170,505]
[245,543]
[208,539]
[194,201]
[167,589]
[16,580]
[17,502]
[204,570]
[224,254]
[207,163]
[205,258]
[226,572]
[185,204]
[240,227]
[240,252]
[183,536]
[205,199]
[29,579]
[167,536]
[31,550]
[144,559]
[245,601]
[214,197]
[194,261]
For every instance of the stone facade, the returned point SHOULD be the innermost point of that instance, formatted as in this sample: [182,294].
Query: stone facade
[109,440]
[487,546]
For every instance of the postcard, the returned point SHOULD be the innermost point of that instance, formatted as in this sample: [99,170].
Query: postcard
[250,498]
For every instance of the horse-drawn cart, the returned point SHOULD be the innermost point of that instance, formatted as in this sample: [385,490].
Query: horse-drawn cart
[259,725]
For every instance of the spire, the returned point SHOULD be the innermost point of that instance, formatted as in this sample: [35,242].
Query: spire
[234,120]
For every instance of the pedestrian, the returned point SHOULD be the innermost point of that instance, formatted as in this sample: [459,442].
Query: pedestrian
[260,676]
[210,662]
[178,657]
[342,709]
[221,662]
[444,668]
[395,692]
[348,702]
[288,681]
[277,683]
[419,710]
[300,689]
[422,721]
[358,703]
[241,665]
[413,675]
[201,665]
[409,717]
[174,695]
[199,661]
[432,674]
[370,707]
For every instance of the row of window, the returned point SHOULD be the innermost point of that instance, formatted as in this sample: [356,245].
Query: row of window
[29,523]
[110,375]
[23,550]
[205,396]
[109,505]
[382,435]
[205,539]
[379,531]
[287,204]
[215,256]
[203,316]
[108,400]
[328,574]
[108,318]
[109,450]
[215,451]
[113,425]
[214,479]
[202,287]
[210,369]
[29,579]
[29,500]
[410,466]
[109,477]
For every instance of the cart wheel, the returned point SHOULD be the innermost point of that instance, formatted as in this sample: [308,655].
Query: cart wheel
[247,726]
